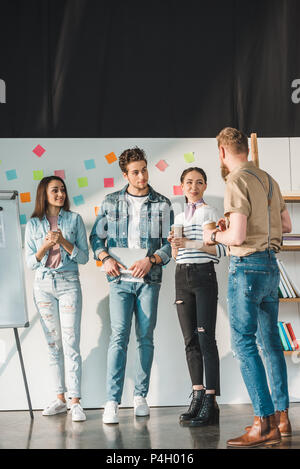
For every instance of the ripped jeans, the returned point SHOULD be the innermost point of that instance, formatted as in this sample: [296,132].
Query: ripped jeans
[58,300]
[253,313]
[196,301]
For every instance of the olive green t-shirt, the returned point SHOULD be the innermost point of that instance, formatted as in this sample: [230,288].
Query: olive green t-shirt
[245,194]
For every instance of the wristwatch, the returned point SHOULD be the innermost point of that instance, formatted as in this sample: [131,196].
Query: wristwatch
[213,236]
[152,259]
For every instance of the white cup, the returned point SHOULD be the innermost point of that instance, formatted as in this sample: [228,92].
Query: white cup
[178,231]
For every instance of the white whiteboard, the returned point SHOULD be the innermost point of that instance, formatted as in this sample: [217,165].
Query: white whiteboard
[13,306]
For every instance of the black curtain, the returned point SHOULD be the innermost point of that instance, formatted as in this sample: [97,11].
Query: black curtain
[94,68]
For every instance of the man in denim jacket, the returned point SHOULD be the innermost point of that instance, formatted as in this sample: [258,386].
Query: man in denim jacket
[136,217]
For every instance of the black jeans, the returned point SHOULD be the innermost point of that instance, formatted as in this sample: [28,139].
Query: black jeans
[196,301]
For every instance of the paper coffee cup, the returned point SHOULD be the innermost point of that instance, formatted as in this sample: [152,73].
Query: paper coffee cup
[210,226]
[178,231]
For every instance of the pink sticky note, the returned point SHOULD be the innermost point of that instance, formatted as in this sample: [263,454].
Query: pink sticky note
[177,190]
[39,150]
[162,165]
[60,173]
[108,182]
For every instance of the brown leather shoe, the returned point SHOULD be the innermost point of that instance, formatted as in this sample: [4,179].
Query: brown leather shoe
[283,423]
[264,431]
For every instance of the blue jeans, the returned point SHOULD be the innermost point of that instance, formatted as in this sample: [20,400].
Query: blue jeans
[253,313]
[58,299]
[126,299]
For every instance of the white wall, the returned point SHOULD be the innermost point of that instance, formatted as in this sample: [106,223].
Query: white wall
[170,384]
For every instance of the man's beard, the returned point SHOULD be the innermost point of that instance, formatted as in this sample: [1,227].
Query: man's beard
[224,172]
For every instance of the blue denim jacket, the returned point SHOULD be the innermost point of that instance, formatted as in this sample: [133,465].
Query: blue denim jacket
[111,228]
[73,230]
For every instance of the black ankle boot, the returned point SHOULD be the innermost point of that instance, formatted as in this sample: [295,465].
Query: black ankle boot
[195,406]
[208,414]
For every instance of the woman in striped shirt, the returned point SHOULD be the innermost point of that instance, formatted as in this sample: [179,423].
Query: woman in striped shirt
[197,297]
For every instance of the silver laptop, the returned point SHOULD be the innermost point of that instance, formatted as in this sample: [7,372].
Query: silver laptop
[127,256]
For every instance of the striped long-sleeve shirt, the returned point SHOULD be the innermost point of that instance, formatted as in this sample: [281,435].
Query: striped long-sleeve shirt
[193,230]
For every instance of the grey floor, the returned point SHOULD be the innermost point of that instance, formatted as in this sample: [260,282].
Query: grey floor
[159,431]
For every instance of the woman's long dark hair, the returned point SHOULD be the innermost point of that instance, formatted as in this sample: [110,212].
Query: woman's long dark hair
[188,170]
[41,202]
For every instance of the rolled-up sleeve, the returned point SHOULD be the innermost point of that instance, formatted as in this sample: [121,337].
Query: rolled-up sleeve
[165,251]
[80,253]
[30,248]
[221,250]
[99,233]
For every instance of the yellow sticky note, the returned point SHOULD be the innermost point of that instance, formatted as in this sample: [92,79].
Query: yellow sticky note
[82,182]
[189,157]
[38,175]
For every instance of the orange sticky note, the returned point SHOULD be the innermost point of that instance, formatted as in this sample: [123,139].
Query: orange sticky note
[98,263]
[25,197]
[97,211]
[111,157]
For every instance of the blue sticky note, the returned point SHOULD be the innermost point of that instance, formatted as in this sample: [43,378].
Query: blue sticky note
[78,200]
[89,164]
[11,174]
[23,219]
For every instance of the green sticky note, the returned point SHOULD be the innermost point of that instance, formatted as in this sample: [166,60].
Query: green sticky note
[38,175]
[82,182]
[189,157]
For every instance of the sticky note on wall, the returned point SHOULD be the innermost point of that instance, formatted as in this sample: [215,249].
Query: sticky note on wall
[60,173]
[189,157]
[89,164]
[39,150]
[25,197]
[38,175]
[11,174]
[78,200]
[108,182]
[177,190]
[82,182]
[23,219]
[111,157]
[162,165]
[97,211]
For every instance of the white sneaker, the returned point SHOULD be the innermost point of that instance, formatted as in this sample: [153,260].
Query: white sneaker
[111,412]
[55,407]
[141,408]
[77,413]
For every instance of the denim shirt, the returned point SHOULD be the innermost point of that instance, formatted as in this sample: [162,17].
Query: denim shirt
[111,228]
[73,230]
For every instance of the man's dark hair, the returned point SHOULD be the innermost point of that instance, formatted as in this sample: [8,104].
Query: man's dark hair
[130,155]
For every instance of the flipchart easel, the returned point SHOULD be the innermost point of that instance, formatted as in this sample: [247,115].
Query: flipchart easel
[13,307]
[254,149]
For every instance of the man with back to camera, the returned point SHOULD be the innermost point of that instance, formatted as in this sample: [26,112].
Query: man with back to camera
[132,218]
[257,216]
